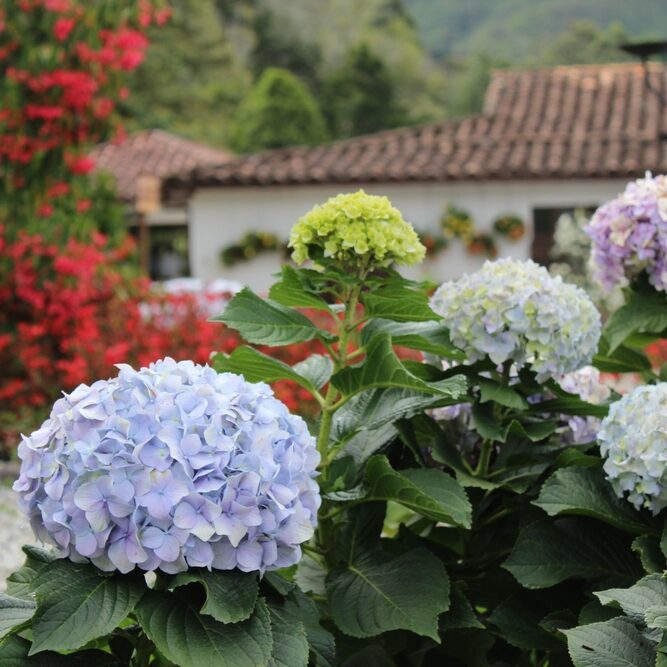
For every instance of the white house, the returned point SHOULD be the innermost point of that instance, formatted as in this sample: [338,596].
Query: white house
[547,141]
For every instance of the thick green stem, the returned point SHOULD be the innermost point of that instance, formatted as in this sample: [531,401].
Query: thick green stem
[331,400]
[484,459]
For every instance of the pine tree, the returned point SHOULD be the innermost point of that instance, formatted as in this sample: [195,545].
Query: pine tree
[279,111]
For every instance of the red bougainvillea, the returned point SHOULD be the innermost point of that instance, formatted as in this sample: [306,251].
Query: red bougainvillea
[62,64]
[68,314]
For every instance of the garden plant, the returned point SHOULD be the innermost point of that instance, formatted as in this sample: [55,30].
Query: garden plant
[485,500]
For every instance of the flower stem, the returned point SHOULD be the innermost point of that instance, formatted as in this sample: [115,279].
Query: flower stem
[484,458]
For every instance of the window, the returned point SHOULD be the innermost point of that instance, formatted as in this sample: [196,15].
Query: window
[168,255]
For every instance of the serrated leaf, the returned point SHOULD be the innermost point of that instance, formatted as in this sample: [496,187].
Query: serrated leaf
[264,322]
[292,290]
[650,591]
[78,603]
[322,643]
[614,643]
[586,492]
[186,637]
[498,393]
[427,491]
[230,594]
[656,617]
[408,592]
[258,367]
[290,644]
[310,575]
[378,407]
[383,369]
[648,550]
[19,583]
[644,311]
[317,369]
[428,337]
[13,612]
[549,552]
[400,304]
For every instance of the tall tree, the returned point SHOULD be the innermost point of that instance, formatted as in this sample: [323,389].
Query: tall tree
[360,96]
[279,111]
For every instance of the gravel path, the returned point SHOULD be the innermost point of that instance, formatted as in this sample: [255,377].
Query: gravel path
[14,532]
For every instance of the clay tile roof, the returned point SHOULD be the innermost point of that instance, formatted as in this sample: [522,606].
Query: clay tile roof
[583,121]
[153,152]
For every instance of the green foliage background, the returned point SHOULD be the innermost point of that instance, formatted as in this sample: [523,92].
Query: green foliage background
[368,66]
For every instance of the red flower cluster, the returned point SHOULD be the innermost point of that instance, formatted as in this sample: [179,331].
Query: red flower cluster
[68,314]
[55,105]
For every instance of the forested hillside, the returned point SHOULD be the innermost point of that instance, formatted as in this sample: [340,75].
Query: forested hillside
[344,67]
[522,29]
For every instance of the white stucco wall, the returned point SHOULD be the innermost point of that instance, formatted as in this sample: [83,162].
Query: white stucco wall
[220,216]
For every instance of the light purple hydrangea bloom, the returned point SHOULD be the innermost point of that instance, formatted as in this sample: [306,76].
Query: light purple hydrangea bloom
[169,467]
[514,310]
[633,442]
[629,235]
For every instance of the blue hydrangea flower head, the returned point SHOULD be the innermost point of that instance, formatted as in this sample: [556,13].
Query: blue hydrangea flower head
[633,441]
[169,467]
[514,310]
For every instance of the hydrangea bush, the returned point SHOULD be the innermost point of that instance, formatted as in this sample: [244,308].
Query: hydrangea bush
[170,467]
[453,508]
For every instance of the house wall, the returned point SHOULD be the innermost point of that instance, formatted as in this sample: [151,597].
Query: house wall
[220,216]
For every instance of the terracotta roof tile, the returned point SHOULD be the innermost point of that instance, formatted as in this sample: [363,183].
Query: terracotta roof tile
[153,152]
[593,121]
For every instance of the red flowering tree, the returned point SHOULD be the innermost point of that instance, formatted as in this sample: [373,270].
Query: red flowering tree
[62,64]
[68,314]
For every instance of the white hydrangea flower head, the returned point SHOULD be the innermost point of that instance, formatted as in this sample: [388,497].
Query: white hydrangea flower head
[633,440]
[515,310]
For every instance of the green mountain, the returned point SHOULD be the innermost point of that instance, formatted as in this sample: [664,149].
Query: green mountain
[519,29]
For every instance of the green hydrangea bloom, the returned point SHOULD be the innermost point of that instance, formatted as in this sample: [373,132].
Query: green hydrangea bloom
[357,230]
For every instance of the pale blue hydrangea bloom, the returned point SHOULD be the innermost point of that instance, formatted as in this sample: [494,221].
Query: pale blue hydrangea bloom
[585,383]
[169,467]
[633,441]
[514,310]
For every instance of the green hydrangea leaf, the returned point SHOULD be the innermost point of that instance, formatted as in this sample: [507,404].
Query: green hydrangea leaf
[585,491]
[650,591]
[549,552]
[428,337]
[77,603]
[186,637]
[427,491]
[292,290]
[290,643]
[263,322]
[383,369]
[614,643]
[400,304]
[258,367]
[230,595]
[19,583]
[644,311]
[408,592]
[13,612]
